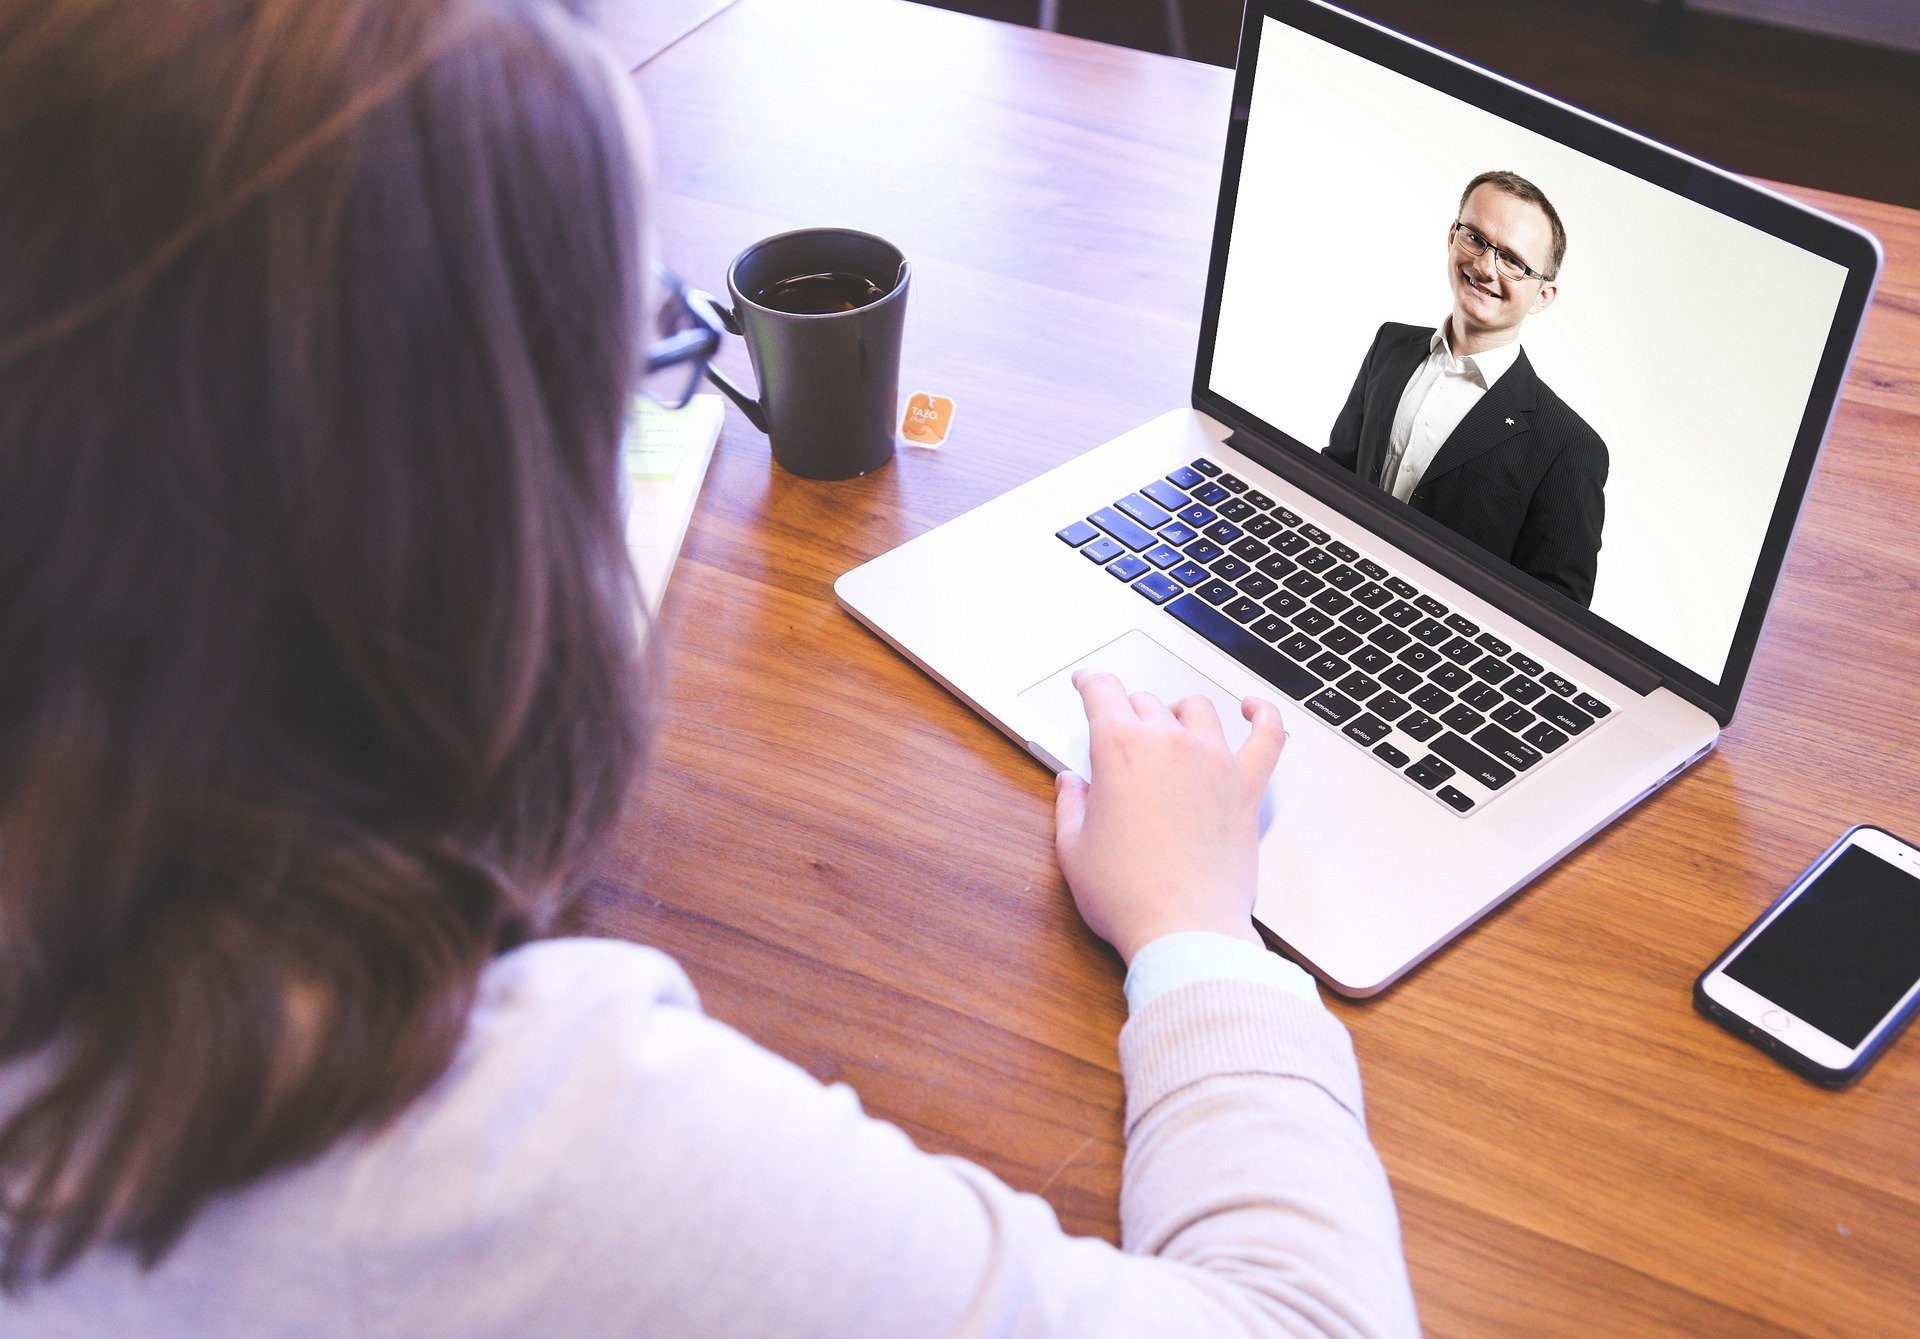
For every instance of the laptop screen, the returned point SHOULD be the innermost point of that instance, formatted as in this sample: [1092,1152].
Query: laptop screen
[1588,375]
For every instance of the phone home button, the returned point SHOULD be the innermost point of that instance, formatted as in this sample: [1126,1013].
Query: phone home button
[1775,1020]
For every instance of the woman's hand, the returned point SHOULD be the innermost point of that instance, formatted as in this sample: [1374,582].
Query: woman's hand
[1164,839]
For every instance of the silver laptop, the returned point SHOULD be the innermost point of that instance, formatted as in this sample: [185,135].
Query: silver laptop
[1501,420]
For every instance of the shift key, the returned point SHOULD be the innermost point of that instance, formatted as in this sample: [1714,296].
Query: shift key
[1472,761]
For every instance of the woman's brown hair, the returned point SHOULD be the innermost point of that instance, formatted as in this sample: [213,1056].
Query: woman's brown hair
[317,647]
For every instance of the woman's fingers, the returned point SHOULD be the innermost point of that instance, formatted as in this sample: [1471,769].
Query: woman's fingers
[1198,715]
[1261,752]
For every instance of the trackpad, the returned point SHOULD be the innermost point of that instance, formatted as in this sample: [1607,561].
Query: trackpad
[1144,666]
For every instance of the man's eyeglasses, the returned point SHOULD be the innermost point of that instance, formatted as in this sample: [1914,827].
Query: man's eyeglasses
[1471,243]
[687,330]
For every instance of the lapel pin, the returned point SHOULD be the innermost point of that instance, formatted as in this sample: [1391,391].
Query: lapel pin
[1509,423]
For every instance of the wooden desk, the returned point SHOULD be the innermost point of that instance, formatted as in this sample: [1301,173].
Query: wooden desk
[858,872]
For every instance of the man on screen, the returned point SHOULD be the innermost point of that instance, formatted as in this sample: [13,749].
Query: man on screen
[1454,421]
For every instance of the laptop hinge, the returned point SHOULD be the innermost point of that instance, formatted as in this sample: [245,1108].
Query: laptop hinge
[1504,595]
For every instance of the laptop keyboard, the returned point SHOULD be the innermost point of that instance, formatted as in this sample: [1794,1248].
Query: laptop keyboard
[1454,709]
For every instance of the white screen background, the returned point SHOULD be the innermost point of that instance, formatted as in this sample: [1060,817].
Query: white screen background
[1688,340]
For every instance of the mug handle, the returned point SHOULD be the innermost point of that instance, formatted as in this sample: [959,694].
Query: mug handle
[749,405]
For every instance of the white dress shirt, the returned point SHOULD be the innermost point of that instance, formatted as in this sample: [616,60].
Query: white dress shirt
[1438,395]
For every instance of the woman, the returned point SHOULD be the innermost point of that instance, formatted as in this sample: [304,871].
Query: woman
[316,334]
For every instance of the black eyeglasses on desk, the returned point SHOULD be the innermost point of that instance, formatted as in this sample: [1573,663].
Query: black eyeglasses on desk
[686,334]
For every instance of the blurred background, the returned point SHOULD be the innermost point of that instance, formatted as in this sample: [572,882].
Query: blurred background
[1822,93]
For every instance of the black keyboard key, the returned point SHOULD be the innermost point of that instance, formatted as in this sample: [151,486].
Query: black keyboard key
[1559,685]
[1260,500]
[1544,737]
[1229,568]
[1493,671]
[1506,748]
[1344,640]
[1358,685]
[1369,729]
[1404,589]
[1491,644]
[1206,467]
[1204,550]
[1461,717]
[1512,715]
[1129,567]
[1214,591]
[1428,697]
[1316,560]
[1223,532]
[1388,638]
[1372,594]
[1248,549]
[1237,509]
[1460,651]
[1459,799]
[1390,755]
[1429,772]
[1371,658]
[1259,587]
[1197,515]
[1346,553]
[1127,531]
[1420,726]
[1102,549]
[1158,587]
[1389,706]
[1276,565]
[1361,619]
[1262,526]
[1399,678]
[1328,665]
[1190,574]
[1286,517]
[1187,477]
[1285,603]
[1166,495]
[1432,631]
[1331,600]
[1163,555]
[1448,676]
[1428,605]
[1289,542]
[1244,647]
[1372,569]
[1077,534]
[1590,704]
[1466,627]
[1314,533]
[1418,656]
[1145,510]
[1212,494]
[1472,761]
[1300,646]
[1563,714]
[1522,689]
[1233,483]
[1400,613]
[1312,620]
[1303,583]
[1524,663]
[1178,533]
[1481,696]
[1328,704]
[1272,628]
[1343,577]
[1243,610]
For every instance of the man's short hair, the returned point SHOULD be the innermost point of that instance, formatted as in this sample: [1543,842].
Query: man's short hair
[1516,185]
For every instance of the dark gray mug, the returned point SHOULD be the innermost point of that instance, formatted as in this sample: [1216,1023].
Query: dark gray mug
[829,382]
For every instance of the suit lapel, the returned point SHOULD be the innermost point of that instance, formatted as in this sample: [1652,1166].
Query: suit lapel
[1501,413]
[1383,402]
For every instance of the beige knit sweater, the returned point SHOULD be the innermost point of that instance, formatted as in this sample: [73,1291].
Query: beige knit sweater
[603,1159]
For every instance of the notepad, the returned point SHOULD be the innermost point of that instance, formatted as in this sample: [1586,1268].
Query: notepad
[665,457]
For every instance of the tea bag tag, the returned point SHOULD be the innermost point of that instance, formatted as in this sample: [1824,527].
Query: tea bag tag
[928,420]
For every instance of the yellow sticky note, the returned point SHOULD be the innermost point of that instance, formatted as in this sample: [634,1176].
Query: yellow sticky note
[658,439]
[928,420]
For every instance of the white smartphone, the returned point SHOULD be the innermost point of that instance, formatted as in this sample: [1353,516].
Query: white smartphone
[1831,972]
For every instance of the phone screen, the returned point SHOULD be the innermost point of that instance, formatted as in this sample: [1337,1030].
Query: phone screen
[1844,952]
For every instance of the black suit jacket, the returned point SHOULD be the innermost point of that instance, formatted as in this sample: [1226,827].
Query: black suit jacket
[1523,476]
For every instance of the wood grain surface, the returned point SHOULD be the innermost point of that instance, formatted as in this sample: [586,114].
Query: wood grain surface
[858,872]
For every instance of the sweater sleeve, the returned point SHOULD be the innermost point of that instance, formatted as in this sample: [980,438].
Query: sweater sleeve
[664,1175]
